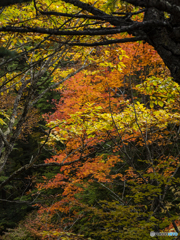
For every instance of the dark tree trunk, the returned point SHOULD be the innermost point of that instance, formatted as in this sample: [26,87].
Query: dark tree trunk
[166,41]
[169,50]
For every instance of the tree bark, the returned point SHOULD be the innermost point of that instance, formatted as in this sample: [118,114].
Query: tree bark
[165,41]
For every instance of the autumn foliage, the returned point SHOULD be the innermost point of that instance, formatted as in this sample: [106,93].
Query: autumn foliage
[117,123]
[114,137]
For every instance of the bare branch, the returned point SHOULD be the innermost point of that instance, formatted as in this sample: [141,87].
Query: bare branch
[75,15]
[94,44]
[89,32]
[10,2]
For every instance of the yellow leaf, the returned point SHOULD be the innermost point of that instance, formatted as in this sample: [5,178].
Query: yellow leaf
[2,122]
[160,103]
[151,104]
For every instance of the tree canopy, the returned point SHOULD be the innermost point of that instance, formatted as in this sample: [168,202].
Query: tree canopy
[90,23]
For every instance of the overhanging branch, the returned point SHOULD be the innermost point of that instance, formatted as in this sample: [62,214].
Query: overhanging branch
[74,15]
[87,7]
[89,32]
[94,44]
[4,3]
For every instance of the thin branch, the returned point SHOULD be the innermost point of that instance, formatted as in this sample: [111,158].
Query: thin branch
[94,44]
[75,15]
[127,14]
[35,7]
[89,8]
[88,32]
[4,3]
[19,202]
[2,9]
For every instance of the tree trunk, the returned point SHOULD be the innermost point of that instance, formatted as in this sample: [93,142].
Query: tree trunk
[166,41]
